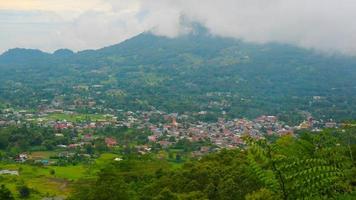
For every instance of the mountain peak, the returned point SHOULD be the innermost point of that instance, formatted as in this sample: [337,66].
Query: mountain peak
[16,51]
[63,52]
[22,55]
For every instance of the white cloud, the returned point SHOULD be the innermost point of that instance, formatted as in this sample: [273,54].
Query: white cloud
[326,25]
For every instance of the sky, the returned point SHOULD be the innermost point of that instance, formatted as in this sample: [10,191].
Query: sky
[324,25]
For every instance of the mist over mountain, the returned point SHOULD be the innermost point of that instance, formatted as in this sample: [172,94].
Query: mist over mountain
[193,72]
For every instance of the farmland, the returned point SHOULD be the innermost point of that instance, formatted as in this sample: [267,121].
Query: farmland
[49,180]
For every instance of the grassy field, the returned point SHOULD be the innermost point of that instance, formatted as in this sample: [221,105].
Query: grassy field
[69,172]
[47,181]
[42,154]
[40,179]
[105,158]
[76,117]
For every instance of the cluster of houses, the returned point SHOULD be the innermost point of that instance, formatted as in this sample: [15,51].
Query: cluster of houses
[47,118]
[222,134]
[168,130]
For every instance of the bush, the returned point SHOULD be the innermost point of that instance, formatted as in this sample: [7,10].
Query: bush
[5,193]
[24,191]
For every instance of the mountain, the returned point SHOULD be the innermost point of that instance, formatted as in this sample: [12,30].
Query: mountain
[63,52]
[194,72]
[21,56]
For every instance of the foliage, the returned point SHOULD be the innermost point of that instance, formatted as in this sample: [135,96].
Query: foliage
[311,166]
[24,191]
[5,193]
[185,74]
[313,173]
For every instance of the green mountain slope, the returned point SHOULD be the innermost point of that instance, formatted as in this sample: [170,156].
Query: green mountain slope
[190,73]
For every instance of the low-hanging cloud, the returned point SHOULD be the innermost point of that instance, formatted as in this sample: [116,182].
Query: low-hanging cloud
[325,25]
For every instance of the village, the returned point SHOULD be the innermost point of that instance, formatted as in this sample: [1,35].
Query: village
[164,129]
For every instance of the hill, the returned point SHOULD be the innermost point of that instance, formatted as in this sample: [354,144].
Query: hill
[190,73]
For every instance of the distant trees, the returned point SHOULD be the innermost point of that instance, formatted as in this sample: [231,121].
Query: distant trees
[107,187]
[17,139]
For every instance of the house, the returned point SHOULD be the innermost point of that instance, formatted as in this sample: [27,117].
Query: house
[152,138]
[330,124]
[205,149]
[164,144]
[110,142]
[174,122]
[43,162]
[143,149]
[283,132]
[61,126]
[21,157]
[304,125]
[88,137]
[73,145]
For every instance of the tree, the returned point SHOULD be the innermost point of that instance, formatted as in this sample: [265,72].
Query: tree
[5,194]
[24,191]
[262,194]
[211,191]
[227,190]
[178,157]
[108,186]
[196,195]
[166,194]
[89,149]
[289,168]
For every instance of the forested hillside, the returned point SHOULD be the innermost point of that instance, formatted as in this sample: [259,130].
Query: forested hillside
[190,73]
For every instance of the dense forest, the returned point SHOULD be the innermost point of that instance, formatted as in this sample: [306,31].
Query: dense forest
[186,74]
[310,166]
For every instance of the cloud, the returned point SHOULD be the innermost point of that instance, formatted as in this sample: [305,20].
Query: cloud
[325,25]
[57,6]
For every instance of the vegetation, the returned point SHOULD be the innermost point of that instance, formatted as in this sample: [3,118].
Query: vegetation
[36,182]
[5,193]
[312,166]
[199,76]
[76,117]
[42,141]
[309,166]
[186,74]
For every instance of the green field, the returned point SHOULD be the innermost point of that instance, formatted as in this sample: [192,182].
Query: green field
[76,117]
[40,180]
[46,181]
[42,154]
[105,158]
